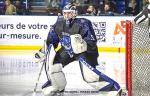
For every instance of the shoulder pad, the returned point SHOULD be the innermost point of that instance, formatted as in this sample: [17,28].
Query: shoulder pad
[84,20]
[60,18]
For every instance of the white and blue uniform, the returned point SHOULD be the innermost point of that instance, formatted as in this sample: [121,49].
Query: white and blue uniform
[78,42]
[61,32]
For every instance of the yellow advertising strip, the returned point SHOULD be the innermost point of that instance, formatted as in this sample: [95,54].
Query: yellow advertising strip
[100,49]
[111,49]
[20,47]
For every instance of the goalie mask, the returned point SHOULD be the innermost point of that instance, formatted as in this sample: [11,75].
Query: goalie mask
[69,12]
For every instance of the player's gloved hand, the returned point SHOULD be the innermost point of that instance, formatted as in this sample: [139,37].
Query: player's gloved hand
[78,44]
[39,54]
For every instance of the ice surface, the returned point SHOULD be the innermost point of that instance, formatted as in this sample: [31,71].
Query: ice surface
[19,73]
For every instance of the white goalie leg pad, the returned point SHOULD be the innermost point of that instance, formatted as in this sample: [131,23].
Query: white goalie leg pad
[92,78]
[55,74]
[89,75]
[48,91]
[57,77]
[78,44]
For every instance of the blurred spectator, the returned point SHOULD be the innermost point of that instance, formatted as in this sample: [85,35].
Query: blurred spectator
[132,8]
[79,2]
[48,3]
[108,9]
[26,4]
[96,2]
[10,9]
[55,3]
[100,6]
[87,1]
[19,7]
[53,7]
[91,11]
[2,4]
[76,2]
[146,3]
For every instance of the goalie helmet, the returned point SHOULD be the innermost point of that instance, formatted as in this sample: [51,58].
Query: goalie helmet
[69,11]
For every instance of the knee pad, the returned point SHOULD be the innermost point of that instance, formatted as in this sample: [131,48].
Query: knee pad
[88,75]
[92,78]
[55,68]
[57,77]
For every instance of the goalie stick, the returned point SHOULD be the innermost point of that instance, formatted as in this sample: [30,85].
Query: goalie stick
[34,91]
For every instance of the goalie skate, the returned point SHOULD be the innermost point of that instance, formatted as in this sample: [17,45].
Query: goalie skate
[50,91]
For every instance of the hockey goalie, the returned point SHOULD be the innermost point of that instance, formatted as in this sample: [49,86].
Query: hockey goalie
[78,42]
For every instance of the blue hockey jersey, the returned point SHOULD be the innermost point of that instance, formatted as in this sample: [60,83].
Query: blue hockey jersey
[80,26]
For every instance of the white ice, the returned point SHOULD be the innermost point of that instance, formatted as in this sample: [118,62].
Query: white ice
[19,73]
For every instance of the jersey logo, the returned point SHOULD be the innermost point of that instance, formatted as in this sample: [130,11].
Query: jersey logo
[66,43]
[92,38]
[65,34]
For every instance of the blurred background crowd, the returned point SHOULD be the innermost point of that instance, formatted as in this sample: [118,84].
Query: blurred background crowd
[84,7]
